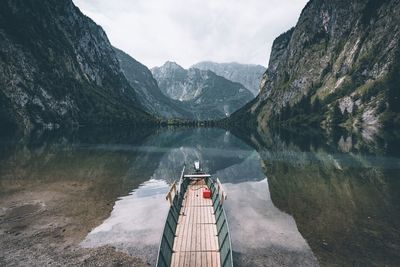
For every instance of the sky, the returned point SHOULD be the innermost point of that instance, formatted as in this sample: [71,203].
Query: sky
[190,31]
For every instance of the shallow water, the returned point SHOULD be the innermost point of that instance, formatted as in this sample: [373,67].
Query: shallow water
[288,204]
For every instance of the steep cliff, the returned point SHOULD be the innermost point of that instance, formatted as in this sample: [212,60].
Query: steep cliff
[208,95]
[147,91]
[340,65]
[57,68]
[247,74]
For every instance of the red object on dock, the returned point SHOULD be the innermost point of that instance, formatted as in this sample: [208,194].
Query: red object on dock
[206,193]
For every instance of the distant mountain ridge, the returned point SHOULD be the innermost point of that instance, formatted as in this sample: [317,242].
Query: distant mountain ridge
[249,75]
[208,95]
[149,95]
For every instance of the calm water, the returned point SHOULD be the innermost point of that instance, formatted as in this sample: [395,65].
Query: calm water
[291,201]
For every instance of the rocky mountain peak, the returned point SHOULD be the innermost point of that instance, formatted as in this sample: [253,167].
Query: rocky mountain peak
[248,75]
[340,61]
[172,65]
[208,95]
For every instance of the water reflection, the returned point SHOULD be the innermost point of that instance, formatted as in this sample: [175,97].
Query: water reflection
[238,167]
[263,235]
[344,199]
[293,200]
[136,222]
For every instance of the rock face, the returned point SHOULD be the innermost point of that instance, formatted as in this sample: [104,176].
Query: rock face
[206,94]
[147,91]
[247,74]
[57,68]
[338,66]
[173,81]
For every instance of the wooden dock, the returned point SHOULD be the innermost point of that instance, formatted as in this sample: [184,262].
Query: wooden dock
[196,240]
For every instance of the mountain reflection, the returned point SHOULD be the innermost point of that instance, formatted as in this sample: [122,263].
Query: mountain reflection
[293,199]
[237,165]
[343,197]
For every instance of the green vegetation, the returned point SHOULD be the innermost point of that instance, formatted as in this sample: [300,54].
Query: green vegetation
[302,113]
[391,117]
[371,10]
[187,123]
[68,68]
[384,94]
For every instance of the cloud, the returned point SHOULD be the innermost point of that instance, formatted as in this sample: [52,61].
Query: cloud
[189,31]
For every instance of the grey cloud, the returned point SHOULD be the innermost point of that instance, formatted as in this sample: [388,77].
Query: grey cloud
[188,31]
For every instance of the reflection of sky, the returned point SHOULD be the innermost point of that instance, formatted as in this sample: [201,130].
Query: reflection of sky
[136,222]
[258,226]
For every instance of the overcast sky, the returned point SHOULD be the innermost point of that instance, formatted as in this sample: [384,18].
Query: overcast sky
[189,31]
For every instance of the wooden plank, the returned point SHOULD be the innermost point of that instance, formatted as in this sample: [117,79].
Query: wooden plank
[209,259]
[198,259]
[173,260]
[203,238]
[187,259]
[204,258]
[184,241]
[210,215]
[196,243]
[216,259]
[210,237]
[193,232]
[198,237]
[205,215]
[192,259]
[181,259]
[188,237]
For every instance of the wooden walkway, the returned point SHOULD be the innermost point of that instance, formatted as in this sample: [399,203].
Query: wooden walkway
[196,241]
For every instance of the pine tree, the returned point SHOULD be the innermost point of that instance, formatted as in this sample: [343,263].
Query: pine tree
[345,116]
[316,105]
[337,116]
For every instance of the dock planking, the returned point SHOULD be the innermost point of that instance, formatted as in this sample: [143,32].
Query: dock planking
[196,240]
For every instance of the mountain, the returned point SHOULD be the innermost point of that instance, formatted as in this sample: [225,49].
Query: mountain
[208,95]
[172,81]
[58,68]
[247,74]
[147,91]
[340,65]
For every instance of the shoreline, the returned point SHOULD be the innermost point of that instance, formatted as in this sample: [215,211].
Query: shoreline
[43,224]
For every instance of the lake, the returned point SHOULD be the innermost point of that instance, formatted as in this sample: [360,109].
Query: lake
[294,198]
